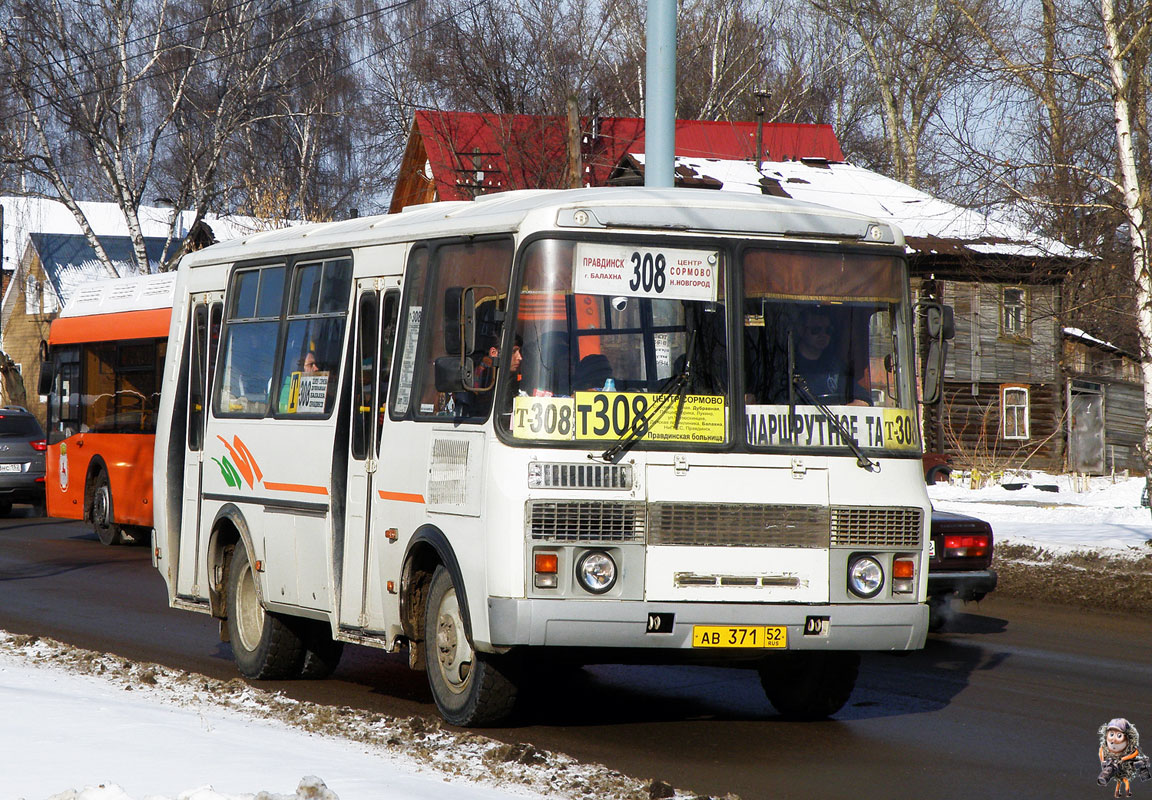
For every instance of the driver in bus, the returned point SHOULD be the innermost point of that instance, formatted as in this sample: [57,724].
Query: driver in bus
[824,371]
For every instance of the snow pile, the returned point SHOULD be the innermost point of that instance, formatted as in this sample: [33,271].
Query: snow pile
[75,717]
[1057,512]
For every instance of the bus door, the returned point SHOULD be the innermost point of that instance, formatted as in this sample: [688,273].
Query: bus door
[377,302]
[203,336]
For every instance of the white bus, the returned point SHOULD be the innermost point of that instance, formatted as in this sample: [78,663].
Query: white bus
[543,425]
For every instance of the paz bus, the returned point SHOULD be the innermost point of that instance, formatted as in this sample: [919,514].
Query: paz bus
[102,371]
[550,425]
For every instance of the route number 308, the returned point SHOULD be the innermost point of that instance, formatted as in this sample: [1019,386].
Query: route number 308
[648,272]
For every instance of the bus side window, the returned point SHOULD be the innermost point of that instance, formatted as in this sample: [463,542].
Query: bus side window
[387,344]
[196,376]
[255,297]
[314,340]
[487,265]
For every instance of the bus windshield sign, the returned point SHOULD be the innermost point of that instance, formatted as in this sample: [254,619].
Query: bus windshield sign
[666,273]
[601,416]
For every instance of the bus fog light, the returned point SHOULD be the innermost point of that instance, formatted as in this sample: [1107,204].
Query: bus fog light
[865,576]
[596,572]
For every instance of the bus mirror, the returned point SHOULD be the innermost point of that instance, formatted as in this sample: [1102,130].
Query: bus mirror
[452,322]
[453,373]
[941,322]
[47,375]
[933,372]
[481,318]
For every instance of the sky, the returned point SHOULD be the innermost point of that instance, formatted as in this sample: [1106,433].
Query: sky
[82,726]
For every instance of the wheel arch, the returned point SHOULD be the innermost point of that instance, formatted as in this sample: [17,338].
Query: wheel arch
[427,549]
[229,528]
[96,465]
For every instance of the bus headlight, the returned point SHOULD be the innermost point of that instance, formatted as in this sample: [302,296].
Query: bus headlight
[865,576]
[596,571]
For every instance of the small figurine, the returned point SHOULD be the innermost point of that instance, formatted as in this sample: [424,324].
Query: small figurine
[1120,758]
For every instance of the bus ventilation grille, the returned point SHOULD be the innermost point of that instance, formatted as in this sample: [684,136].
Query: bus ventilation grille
[585,521]
[877,527]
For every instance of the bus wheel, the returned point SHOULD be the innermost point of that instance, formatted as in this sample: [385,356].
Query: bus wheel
[321,652]
[470,688]
[264,645]
[102,520]
[809,685]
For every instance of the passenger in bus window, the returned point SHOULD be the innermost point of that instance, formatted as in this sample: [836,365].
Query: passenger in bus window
[824,371]
[593,374]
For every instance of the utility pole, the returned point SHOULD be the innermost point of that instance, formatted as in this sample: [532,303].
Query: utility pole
[660,95]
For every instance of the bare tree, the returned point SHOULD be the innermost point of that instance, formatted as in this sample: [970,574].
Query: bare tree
[139,96]
[915,51]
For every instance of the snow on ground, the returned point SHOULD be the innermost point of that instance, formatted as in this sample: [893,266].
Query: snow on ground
[86,726]
[79,725]
[1099,513]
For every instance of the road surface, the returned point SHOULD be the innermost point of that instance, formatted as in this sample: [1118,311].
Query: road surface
[1006,703]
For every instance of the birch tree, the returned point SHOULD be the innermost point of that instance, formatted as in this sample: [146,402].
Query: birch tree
[1127,38]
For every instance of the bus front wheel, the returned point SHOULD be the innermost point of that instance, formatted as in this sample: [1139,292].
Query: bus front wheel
[101,514]
[264,645]
[809,685]
[470,688]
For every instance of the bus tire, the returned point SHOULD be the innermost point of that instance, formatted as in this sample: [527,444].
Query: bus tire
[101,512]
[264,644]
[470,688]
[321,652]
[810,685]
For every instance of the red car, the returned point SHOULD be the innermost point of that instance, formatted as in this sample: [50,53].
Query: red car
[960,563]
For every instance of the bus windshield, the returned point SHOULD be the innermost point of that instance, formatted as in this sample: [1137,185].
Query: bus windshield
[826,331]
[602,330]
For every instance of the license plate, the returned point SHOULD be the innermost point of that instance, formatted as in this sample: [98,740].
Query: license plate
[739,636]
[10,467]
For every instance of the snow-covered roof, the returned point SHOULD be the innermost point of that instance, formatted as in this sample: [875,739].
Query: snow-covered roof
[23,216]
[929,223]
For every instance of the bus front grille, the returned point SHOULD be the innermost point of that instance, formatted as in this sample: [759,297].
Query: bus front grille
[877,527]
[723,525]
[744,525]
[585,521]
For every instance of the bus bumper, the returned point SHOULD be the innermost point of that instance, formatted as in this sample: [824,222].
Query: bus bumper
[576,623]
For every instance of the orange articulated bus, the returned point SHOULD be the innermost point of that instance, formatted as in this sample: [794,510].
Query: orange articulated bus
[105,356]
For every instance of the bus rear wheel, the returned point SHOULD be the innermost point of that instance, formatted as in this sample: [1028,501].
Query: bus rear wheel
[809,685]
[264,645]
[101,513]
[470,688]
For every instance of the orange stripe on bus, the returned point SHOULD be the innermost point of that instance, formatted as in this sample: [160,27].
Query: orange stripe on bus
[295,487]
[403,497]
[148,324]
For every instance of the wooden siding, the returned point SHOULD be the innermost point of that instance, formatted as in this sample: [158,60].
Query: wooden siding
[972,424]
[981,353]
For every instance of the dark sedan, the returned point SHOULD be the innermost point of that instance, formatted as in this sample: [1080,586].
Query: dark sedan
[960,563]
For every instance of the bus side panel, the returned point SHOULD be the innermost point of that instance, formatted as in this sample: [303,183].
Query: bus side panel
[65,492]
[127,457]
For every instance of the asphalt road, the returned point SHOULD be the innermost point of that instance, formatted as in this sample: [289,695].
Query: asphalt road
[1006,703]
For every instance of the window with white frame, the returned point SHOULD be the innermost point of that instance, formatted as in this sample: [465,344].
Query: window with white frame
[1013,313]
[1014,411]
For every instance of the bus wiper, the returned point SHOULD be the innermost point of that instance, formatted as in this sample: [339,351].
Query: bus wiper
[862,461]
[675,387]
